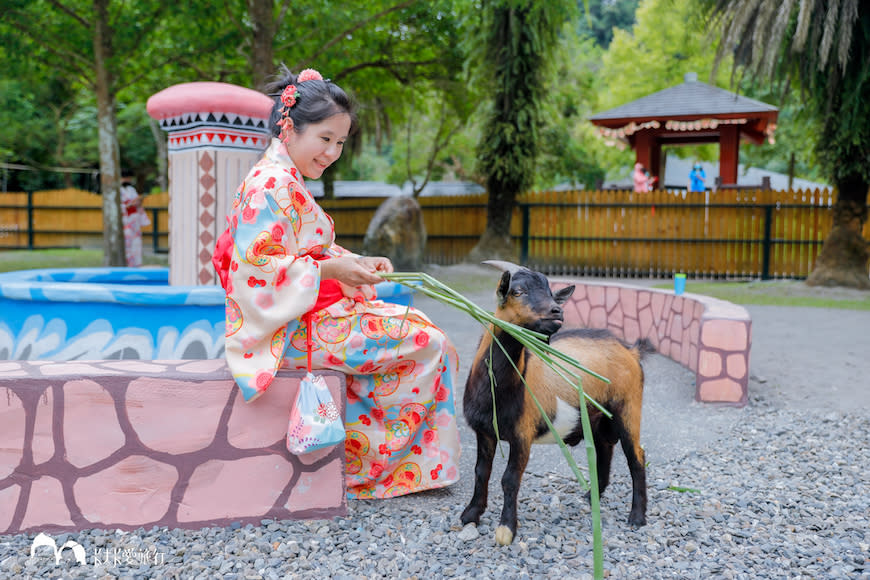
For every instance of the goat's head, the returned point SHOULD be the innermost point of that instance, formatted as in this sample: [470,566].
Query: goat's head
[524,298]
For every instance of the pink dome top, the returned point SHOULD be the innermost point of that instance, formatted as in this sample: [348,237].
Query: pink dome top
[208,97]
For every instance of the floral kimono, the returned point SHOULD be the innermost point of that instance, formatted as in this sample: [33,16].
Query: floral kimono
[134,219]
[401,427]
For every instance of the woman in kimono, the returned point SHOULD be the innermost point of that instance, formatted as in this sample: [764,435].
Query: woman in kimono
[134,219]
[284,276]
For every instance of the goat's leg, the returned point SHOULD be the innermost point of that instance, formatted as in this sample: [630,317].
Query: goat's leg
[635,455]
[510,483]
[603,460]
[628,428]
[482,471]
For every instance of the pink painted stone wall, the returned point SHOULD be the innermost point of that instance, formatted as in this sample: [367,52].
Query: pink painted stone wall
[128,444]
[709,336]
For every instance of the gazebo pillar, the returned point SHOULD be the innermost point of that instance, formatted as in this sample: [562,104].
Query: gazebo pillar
[643,149]
[729,153]
[648,152]
[655,162]
[217,131]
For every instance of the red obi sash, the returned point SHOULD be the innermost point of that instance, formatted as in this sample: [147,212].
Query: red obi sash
[330,290]
[330,293]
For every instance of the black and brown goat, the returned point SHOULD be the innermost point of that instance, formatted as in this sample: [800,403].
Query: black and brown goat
[524,298]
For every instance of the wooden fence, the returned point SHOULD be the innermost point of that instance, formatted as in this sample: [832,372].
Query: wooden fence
[733,233]
[69,218]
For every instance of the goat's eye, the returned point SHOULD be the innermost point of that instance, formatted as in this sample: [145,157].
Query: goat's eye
[517,291]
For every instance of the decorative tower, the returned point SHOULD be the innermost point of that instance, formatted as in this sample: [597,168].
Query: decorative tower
[217,131]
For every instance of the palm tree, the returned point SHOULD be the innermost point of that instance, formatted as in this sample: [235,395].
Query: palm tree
[822,45]
[515,39]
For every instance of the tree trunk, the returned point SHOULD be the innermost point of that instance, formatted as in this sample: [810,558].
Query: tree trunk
[110,152]
[262,29]
[162,155]
[845,255]
[495,243]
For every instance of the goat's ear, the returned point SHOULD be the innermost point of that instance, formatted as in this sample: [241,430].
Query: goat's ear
[504,286]
[562,295]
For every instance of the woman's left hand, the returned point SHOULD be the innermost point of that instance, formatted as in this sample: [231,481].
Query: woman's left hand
[376,264]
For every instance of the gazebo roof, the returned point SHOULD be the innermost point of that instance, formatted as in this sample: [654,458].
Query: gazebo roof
[687,101]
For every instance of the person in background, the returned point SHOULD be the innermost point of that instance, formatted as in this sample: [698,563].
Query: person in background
[643,181]
[292,292]
[697,178]
[134,218]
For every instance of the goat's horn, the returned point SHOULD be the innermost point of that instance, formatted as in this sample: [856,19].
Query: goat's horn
[503,266]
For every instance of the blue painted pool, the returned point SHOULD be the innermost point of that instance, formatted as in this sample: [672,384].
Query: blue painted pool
[116,313]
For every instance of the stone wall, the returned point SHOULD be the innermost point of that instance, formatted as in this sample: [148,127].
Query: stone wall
[129,444]
[709,336]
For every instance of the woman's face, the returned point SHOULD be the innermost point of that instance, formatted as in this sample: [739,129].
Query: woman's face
[319,145]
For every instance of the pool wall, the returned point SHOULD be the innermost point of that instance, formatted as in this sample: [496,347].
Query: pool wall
[116,313]
[107,313]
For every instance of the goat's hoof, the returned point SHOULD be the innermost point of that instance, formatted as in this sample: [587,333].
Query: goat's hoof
[504,536]
[637,521]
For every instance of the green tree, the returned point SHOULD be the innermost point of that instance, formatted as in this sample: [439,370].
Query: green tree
[570,149]
[515,40]
[666,42]
[603,16]
[823,48]
[80,40]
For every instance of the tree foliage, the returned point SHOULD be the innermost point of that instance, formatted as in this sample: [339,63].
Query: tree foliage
[603,16]
[570,152]
[821,47]
[515,40]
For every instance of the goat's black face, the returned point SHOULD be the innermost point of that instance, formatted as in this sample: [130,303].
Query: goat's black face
[525,299]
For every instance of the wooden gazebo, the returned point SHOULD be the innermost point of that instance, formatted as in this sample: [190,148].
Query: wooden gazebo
[688,114]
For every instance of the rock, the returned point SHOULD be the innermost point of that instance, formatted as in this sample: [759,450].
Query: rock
[397,231]
[468,533]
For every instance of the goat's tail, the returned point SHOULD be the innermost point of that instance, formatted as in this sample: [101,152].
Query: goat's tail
[643,346]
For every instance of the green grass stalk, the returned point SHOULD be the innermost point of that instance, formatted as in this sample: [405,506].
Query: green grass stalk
[537,344]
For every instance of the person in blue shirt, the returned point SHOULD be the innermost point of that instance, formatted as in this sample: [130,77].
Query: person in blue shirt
[697,178]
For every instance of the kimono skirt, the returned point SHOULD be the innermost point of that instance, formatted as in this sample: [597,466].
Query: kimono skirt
[402,435]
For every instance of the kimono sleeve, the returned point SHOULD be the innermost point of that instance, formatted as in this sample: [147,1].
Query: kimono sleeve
[271,282]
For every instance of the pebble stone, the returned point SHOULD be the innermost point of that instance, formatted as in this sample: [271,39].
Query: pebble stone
[788,498]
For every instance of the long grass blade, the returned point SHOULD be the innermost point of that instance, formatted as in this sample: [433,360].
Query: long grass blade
[535,341]
[559,362]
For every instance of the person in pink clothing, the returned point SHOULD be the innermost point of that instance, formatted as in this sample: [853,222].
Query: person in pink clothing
[643,182]
[285,277]
[134,218]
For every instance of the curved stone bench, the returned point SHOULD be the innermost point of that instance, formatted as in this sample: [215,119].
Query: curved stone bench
[709,336]
[129,444]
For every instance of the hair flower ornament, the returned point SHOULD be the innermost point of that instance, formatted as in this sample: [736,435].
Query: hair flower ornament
[288,96]
[309,74]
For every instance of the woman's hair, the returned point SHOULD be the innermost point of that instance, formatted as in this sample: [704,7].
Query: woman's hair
[316,101]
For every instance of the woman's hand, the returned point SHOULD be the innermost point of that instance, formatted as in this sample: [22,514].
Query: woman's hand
[376,264]
[355,271]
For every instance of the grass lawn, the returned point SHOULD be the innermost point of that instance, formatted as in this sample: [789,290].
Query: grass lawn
[11,260]
[779,293]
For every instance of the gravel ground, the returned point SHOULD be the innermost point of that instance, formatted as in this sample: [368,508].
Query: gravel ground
[777,489]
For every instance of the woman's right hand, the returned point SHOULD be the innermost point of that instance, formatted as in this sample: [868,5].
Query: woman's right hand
[348,270]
